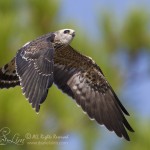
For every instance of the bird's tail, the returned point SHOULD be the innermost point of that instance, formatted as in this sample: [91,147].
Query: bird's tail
[8,76]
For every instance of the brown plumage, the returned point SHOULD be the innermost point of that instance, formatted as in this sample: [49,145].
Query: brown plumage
[46,60]
[81,78]
[8,76]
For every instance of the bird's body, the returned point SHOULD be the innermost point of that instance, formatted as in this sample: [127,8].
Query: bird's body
[50,59]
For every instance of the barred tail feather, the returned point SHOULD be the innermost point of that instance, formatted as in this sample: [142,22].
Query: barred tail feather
[8,76]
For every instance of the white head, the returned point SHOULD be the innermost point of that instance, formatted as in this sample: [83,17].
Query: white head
[64,36]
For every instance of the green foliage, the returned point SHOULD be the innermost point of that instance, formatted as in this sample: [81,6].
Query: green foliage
[135,32]
[24,20]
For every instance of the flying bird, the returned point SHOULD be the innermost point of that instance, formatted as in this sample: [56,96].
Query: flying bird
[50,59]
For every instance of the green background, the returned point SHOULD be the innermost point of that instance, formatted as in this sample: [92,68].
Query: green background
[24,20]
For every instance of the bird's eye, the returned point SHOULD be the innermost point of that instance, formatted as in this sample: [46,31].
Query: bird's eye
[66,31]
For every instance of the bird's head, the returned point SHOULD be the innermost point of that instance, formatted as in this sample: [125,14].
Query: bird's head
[63,37]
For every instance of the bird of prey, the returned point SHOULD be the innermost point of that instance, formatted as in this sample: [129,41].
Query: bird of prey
[50,59]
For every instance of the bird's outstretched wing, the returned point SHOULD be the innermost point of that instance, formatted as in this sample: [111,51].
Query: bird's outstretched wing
[34,65]
[8,76]
[82,79]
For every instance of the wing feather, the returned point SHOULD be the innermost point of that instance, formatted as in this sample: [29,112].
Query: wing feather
[86,83]
[34,65]
[8,76]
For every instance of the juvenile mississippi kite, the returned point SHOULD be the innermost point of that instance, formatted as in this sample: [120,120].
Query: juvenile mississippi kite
[50,59]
